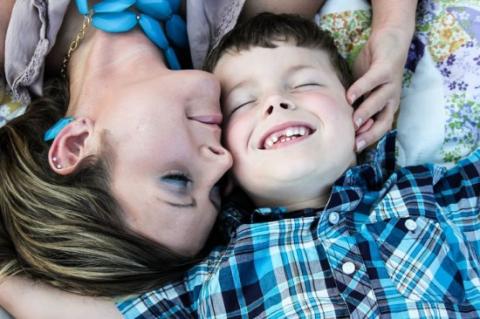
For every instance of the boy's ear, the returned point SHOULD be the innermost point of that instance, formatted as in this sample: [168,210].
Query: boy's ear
[71,146]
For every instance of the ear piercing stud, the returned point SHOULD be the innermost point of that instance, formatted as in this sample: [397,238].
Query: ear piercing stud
[57,165]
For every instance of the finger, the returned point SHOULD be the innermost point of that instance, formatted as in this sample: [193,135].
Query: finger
[375,77]
[382,124]
[375,103]
[365,126]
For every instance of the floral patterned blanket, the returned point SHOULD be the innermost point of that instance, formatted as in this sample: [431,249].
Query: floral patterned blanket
[439,118]
[8,108]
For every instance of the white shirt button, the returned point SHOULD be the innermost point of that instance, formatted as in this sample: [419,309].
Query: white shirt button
[348,268]
[334,218]
[410,224]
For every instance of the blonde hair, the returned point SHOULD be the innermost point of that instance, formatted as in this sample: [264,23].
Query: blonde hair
[68,231]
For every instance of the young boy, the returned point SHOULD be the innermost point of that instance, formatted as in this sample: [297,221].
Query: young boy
[329,239]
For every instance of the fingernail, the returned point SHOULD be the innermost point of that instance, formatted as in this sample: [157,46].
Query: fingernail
[361,145]
[358,122]
[353,97]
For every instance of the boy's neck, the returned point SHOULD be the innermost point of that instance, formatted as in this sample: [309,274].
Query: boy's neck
[318,202]
[294,203]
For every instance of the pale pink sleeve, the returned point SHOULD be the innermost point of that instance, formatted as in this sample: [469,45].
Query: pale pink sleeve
[31,34]
[207,23]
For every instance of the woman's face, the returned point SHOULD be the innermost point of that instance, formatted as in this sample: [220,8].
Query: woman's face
[163,134]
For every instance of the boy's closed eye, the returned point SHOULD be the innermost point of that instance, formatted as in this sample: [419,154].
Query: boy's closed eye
[237,99]
[240,105]
[306,85]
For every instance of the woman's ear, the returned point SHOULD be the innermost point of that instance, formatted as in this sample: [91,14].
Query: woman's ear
[71,146]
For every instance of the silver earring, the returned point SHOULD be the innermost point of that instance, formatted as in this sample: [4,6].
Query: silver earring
[54,160]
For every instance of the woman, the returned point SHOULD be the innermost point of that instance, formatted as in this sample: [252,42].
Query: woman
[152,161]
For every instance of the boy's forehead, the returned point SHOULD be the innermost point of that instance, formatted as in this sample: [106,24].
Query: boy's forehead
[259,49]
[236,64]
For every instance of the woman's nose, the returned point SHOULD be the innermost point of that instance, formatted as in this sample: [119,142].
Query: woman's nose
[219,156]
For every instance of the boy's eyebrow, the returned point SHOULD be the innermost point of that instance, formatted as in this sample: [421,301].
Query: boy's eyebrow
[299,67]
[236,87]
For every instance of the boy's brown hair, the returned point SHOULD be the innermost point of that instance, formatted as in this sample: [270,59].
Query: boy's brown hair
[265,29]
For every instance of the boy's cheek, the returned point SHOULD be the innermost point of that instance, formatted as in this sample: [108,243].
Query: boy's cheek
[235,133]
[316,99]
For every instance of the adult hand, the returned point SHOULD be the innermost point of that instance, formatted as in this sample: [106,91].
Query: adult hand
[379,73]
[379,69]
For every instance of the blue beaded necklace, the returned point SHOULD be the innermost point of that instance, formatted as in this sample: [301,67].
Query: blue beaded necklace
[123,15]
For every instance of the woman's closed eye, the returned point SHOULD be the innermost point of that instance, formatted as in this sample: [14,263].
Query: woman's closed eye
[177,182]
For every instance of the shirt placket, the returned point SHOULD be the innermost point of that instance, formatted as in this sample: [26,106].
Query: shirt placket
[348,268]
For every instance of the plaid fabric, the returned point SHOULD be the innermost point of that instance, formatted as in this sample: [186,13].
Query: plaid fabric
[399,243]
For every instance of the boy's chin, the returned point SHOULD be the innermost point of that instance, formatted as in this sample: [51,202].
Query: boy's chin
[281,187]
[290,170]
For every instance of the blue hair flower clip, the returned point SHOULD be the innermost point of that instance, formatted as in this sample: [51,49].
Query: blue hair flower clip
[56,128]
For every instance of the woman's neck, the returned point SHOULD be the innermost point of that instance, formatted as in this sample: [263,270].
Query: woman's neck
[107,58]
[101,58]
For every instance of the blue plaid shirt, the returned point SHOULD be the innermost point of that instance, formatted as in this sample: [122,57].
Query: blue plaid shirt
[402,243]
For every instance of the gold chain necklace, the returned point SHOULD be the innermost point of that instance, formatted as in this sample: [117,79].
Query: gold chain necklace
[74,45]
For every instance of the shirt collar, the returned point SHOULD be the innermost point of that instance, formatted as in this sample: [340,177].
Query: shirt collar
[379,164]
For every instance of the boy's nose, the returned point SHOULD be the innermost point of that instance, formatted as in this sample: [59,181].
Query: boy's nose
[282,105]
[276,103]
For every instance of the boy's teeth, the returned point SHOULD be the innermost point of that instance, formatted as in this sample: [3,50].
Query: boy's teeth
[284,136]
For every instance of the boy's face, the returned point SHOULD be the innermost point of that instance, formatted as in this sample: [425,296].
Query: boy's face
[287,123]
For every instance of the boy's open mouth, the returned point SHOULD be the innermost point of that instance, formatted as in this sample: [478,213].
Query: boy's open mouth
[285,136]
